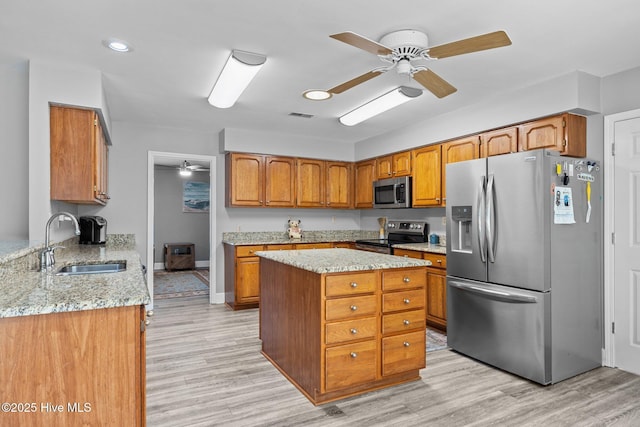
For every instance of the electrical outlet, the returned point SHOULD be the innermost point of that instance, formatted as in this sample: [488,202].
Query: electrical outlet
[444,220]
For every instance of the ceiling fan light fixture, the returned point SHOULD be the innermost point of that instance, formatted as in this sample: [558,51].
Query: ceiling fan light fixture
[117,45]
[241,67]
[184,169]
[389,100]
[317,94]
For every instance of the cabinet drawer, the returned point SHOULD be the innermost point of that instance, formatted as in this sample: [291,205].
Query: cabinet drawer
[313,246]
[437,260]
[406,300]
[349,284]
[285,247]
[402,353]
[403,279]
[350,364]
[346,308]
[350,330]
[405,321]
[242,251]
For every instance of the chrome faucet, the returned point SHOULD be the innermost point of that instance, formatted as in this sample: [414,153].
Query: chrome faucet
[47,259]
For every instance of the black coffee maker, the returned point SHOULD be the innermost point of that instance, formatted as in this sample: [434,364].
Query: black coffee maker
[93,230]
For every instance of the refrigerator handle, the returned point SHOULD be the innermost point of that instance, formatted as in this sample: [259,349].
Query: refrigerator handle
[494,294]
[480,212]
[490,221]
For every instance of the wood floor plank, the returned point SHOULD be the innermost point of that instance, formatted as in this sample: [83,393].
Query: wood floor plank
[204,368]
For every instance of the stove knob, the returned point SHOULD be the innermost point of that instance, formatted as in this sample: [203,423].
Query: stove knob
[418,226]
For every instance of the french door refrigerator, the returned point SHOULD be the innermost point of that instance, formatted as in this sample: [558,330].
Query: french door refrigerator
[524,263]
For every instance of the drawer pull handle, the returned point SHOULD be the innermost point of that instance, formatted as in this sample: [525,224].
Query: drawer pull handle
[406,279]
[406,322]
[406,300]
[353,355]
[354,331]
[354,285]
[406,344]
[353,307]
[439,261]
[147,322]
[149,313]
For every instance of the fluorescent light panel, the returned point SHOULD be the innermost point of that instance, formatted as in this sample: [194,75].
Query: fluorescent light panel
[380,104]
[240,69]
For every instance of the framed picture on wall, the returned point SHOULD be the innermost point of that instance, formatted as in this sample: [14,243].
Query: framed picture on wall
[195,197]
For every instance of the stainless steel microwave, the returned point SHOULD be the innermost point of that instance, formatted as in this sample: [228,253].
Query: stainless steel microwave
[392,193]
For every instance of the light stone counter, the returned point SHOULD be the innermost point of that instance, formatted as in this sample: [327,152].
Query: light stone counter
[340,260]
[25,291]
[422,247]
[275,237]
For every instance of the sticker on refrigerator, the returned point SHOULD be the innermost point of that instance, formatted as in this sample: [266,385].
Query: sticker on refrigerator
[563,206]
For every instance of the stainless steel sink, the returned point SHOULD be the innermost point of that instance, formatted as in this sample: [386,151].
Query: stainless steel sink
[108,267]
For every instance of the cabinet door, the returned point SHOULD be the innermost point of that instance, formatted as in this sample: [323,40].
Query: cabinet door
[402,164]
[437,298]
[426,176]
[73,156]
[457,151]
[384,167]
[501,141]
[280,179]
[245,179]
[101,161]
[339,185]
[248,280]
[310,185]
[365,174]
[543,133]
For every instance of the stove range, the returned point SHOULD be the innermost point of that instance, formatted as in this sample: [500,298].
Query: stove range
[398,231]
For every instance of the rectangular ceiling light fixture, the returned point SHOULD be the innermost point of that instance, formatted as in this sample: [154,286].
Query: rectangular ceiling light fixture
[240,69]
[380,104]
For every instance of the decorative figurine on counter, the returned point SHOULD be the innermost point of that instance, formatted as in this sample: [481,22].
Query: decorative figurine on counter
[294,230]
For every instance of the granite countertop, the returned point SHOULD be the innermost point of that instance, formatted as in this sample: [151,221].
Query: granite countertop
[340,260]
[274,237]
[25,292]
[422,247]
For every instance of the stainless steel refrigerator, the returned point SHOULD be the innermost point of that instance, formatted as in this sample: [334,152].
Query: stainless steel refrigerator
[524,263]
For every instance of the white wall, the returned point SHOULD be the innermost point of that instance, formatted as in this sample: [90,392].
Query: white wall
[621,92]
[54,83]
[14,160]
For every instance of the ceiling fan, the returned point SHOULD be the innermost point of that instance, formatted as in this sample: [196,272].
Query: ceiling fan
[402,49]
[186,168]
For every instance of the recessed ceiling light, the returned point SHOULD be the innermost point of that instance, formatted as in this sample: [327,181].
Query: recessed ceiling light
[317,95]
[117,45]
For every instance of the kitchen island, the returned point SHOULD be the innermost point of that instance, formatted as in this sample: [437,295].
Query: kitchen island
[72,347]
[340,322]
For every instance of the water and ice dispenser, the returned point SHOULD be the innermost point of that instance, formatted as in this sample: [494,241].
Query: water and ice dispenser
[461,230]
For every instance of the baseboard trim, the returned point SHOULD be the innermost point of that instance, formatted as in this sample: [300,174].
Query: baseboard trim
[199,264]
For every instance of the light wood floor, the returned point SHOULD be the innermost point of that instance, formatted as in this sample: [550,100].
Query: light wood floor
[204,368]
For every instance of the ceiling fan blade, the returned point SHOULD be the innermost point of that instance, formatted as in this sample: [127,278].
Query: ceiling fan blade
[473,44]
[355,82]
[434,83]
[361,42]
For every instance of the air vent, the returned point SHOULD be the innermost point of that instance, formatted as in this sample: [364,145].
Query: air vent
[302,115]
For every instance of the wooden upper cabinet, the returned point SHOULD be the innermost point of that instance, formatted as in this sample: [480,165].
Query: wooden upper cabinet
[365,174]
[245,180]
[427,165]
[339,185]
[280,181]
[499,141]
[310,185]
[566,133]
[78,156]
[393,165]
[458,150]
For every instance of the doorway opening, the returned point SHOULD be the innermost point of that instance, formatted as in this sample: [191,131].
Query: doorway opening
[194,201]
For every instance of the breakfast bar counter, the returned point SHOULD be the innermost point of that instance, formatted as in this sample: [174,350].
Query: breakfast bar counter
[340,322]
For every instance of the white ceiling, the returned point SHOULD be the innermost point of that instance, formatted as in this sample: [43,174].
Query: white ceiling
[181,45]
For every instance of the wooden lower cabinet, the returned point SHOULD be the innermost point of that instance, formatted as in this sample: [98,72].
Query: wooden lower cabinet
[436,290]
[74,368]
[335,335]
[242,270]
